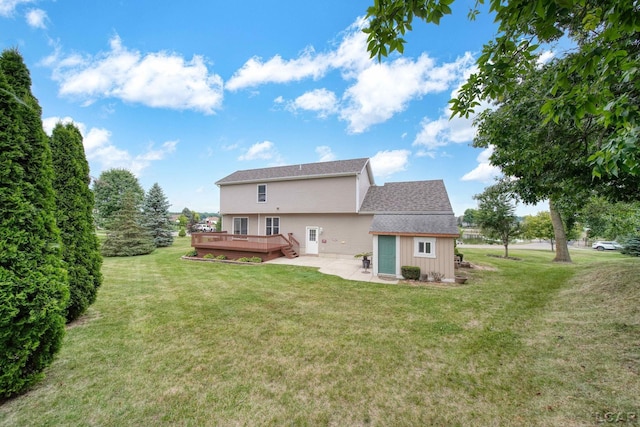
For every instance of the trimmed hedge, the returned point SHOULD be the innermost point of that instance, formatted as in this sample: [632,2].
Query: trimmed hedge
[410,272]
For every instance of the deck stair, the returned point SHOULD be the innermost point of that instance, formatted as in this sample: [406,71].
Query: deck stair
[289,252]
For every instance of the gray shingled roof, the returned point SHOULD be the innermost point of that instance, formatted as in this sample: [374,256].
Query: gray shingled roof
[407,197]
[415,224]
[302,171]
[415,207]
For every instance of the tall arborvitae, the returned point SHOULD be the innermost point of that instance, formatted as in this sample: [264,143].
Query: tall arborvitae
[33,285]
[126,236]
[156,216]
[74,200]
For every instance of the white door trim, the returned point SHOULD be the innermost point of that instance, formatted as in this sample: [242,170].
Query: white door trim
[311,240]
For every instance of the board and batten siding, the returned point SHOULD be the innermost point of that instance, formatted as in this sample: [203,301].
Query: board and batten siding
[443,262]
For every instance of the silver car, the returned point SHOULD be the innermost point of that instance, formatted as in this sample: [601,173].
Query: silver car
[610,245]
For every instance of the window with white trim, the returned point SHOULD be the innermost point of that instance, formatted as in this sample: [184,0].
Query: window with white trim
[272,226]
[241,225]
[424,247]
[262,193]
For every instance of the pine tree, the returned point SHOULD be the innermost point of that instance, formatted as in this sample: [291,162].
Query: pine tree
[126,236]
[156,216]
[74,200]
[33,285]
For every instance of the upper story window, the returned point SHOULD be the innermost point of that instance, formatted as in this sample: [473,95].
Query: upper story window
[424,247]
[262,193]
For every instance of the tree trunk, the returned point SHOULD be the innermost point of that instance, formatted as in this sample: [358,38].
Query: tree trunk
[562,246]
[505,243]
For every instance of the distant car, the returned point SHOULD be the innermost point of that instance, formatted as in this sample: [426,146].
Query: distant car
[602,245]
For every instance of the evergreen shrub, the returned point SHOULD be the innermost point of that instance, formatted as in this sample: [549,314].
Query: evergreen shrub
[631,246]
[410,272]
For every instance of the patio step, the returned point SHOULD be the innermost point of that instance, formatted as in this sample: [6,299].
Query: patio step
[289,252]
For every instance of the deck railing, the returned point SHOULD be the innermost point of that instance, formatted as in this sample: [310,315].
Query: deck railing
[244,242]
[295,245]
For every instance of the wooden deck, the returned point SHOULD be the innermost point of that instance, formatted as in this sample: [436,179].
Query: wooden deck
[235,246]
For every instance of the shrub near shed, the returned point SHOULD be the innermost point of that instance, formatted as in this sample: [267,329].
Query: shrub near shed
[410,272]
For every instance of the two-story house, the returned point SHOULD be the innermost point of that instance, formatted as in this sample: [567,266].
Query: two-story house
[335,209]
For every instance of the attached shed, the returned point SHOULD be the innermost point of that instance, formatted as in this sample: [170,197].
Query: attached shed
[413,224]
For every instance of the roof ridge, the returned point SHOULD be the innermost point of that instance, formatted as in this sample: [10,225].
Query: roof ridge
[297,171]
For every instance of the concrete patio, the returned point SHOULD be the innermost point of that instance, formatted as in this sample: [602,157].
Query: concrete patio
[348,268]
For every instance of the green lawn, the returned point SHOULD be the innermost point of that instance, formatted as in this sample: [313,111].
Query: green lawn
[175,342]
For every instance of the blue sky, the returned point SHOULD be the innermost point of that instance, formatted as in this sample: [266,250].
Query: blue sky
[185,95]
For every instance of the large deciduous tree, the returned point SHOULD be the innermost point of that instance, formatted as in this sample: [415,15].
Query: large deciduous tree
[109,190]
[74,202]
[549,159]
[496,215]
[33,285]
[155,211]
[599,78]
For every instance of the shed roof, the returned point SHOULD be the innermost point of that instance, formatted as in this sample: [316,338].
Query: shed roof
[414,207]
[408,197]
[301,171]
[416,224]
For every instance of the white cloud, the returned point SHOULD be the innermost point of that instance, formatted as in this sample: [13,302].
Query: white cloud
[386,163]
[384,89]
[255,72]
[378,91]
[545,57]
[325,153]
[230,147]
[37,18]
[160,79]
[445,130]
[100,151]
[260,150]
[484,172]
[7,7]
[322,101]
[350,56]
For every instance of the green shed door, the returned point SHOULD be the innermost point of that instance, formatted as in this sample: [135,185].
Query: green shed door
[387,255]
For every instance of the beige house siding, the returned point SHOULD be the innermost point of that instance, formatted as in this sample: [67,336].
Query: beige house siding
[340,234]
[333,194]
[363,183]
[443,262]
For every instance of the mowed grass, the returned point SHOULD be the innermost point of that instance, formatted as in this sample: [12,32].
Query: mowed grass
[176,342]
